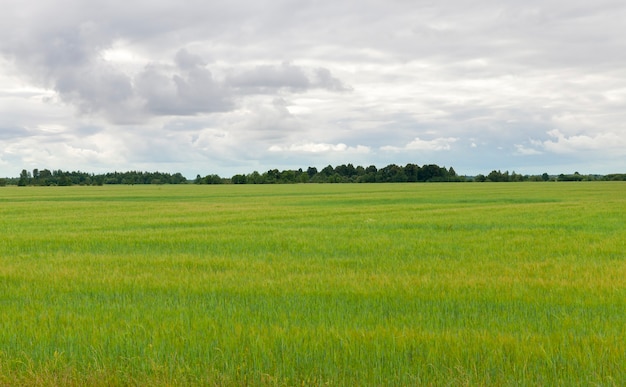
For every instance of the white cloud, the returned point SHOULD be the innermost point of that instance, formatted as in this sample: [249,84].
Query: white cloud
[319,148]
[608,142]
[525,151]
[437,144]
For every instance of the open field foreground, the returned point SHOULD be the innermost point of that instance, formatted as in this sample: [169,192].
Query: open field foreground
[378,284]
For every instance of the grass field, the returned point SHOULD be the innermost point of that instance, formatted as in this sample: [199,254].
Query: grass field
[352,284]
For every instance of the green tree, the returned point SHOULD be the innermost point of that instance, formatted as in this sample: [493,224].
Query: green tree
[412,172]
[287,176]
[496,176]
[24,178]
[239,179]
[64,180]
[328,171]
[431,172]
[371,169]
[255,178]
[319,178]
[516,176]
[369,177]
[213,179]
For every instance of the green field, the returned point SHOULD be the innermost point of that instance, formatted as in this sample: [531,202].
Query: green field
[349,284]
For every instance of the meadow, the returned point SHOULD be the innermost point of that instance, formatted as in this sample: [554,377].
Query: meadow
[331,284]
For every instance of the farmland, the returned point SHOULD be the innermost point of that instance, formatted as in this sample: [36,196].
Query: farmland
[377,284]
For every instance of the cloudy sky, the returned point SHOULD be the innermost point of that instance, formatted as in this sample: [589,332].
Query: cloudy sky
[226,87]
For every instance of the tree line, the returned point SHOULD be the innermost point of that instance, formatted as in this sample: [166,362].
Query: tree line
[345,173]
[391,174]
[498,176]
[348,173]
[46,177]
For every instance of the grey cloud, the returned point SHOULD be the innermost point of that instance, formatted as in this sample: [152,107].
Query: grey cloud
[325,80]
[200,93]
[266,78]
[45,52]
[156,88]
[186,60]
[9,133]
[66,58]
[65,54]
[189,89]
[95,88]
[270,78]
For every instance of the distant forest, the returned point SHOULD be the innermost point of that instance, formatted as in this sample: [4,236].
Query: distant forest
[340,174]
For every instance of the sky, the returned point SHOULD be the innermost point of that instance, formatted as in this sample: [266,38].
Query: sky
[216,87]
